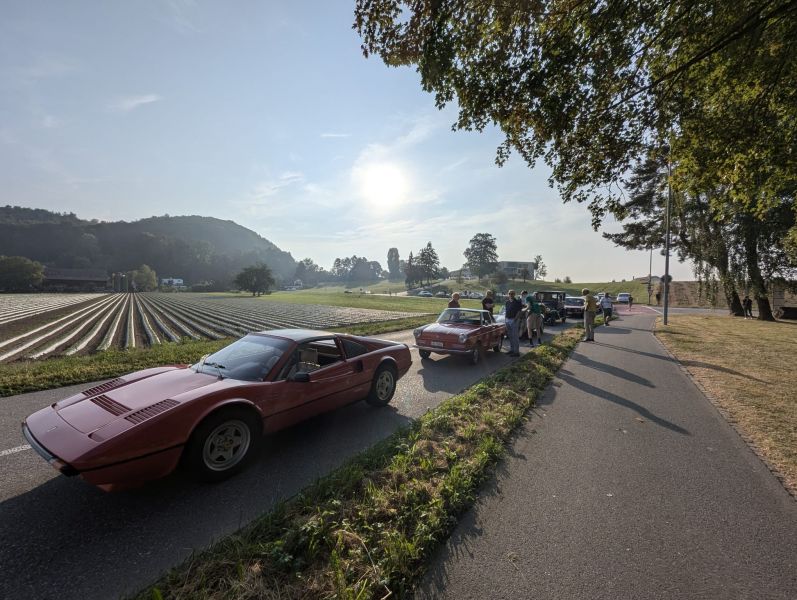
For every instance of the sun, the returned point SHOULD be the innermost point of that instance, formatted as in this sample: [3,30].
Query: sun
[383,186]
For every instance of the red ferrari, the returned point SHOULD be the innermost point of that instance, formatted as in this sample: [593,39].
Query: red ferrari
[211,416]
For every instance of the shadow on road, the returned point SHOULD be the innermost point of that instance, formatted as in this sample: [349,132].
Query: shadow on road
[91,544]
[568,377]
[611,370]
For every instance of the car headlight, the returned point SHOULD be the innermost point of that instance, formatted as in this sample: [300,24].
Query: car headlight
[463,337]
[418,331]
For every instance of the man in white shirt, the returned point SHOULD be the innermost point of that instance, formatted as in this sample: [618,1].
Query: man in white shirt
[606,307]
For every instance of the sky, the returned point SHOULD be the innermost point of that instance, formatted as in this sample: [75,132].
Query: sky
[267,114]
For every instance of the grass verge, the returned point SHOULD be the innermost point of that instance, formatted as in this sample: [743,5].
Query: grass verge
[367,529]
[33,375]
[747,368]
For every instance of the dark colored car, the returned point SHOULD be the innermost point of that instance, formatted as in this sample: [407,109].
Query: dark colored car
[554,301]
[466,331]
[212,415]
[574,306]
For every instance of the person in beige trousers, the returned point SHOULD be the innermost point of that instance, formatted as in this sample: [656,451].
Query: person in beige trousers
[590,308]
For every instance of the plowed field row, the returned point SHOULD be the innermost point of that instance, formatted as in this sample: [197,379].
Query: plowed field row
[133,320]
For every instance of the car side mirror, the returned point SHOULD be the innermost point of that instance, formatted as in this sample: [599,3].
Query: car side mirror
[301,377]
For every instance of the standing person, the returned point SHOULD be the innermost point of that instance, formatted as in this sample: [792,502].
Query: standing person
[630,301]
[488,303]
[454,302]
[513,311]
[522,331]
[590,308]
[534,319]
[606,307]
[747,305]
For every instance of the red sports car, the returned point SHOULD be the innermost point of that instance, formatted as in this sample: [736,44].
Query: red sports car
[211,415]
[460,331]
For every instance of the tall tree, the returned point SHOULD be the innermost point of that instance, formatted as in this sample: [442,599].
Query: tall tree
[524,273]
[482,254]
[540,270]
[144,279]
[19,274]
[256,279]
[394,264]
[428,262]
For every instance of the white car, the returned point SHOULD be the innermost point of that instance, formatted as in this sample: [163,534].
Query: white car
[623,297]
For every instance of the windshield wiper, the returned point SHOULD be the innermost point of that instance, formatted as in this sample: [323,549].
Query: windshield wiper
[218,367]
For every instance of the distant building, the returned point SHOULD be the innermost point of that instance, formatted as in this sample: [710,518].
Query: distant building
[513,268]
[75,280]
[172,281]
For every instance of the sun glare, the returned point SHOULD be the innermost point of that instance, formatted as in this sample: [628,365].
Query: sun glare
[382,186]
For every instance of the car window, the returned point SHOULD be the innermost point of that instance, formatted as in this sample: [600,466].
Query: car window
[352,348]
[458,315]
[249,359]
[312,356]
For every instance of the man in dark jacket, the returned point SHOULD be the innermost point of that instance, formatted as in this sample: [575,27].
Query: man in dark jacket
[513,308]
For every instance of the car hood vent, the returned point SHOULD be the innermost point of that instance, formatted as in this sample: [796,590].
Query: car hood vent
[147,413]
[113,407]
[104,387]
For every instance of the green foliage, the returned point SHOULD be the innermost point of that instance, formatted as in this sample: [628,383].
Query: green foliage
[482,254]
[144,278]
[394,264]
[256,279]
[19,274]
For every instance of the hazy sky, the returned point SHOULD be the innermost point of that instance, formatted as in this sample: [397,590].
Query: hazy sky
[265,113]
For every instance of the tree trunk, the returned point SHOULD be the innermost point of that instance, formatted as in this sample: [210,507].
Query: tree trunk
[757,284]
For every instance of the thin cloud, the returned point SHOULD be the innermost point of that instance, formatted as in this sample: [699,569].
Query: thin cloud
[335,135]
[129,103]
[268,188]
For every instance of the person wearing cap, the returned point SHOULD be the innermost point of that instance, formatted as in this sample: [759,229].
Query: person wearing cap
[513,310]
[590,308]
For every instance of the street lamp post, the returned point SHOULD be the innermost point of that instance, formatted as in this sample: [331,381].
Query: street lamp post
[667,243]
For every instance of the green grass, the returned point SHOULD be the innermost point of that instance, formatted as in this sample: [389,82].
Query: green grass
[368,529]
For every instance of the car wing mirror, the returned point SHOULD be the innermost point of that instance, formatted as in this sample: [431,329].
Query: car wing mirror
[301,377]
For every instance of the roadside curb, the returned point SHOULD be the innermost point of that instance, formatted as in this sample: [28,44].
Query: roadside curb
[749,442]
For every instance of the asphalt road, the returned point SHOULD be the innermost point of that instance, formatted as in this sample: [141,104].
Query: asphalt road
[626,484]
[64,539]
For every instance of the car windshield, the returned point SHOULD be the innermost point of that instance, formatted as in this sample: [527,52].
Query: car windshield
[574,301]
[249,359]
[548,296]
[459,315]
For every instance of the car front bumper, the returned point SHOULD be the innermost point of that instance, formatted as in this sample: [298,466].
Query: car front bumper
[53,460]
[444,350]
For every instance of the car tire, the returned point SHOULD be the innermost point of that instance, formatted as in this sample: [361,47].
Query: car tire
[383,386]
[474,356]
[424,353]
[223,444]
[497,347]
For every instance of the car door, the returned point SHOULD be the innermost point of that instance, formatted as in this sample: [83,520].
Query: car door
[293,398]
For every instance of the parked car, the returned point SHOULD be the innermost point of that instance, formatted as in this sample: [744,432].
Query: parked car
[623,297]
[425,294]
[465,331]
[441,295]
[574,306]
[211,416]
[555,303]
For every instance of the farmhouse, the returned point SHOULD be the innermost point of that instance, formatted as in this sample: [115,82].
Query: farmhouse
[75,280]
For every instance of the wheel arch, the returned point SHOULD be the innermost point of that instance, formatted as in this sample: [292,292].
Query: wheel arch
[230,403]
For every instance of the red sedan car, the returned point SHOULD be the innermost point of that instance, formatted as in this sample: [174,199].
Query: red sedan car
[463,331]
[211,415]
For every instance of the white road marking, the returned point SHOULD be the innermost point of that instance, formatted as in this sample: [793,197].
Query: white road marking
[15,450]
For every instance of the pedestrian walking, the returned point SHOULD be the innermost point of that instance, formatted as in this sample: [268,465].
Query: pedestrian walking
[590,308]
[534,319]
[607,308]
[630,301]
[747,305]
[513,309]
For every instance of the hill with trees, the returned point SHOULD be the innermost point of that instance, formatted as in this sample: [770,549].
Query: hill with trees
[196,249]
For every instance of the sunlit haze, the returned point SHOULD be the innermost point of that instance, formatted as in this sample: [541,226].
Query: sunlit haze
[267,114]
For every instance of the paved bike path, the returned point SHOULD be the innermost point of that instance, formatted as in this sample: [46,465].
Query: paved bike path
[626,483]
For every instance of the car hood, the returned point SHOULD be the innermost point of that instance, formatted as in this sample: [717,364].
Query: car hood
[131,400]
[447,329]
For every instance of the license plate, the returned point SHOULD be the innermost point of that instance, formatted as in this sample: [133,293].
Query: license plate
[437,344]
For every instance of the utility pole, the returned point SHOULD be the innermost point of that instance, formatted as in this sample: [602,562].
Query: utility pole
[667,240]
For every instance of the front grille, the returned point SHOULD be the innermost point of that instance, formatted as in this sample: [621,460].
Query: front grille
[104,387]
[147,413]
[112,406]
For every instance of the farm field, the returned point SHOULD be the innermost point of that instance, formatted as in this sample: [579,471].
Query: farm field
[34,326]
